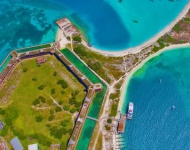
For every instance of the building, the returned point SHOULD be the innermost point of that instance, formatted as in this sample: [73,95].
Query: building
[16,144]
[2,146]
[98,87]
[67,27]
[40,60]
[33,147]
[1,125]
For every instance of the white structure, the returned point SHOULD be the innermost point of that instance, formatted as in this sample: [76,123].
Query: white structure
[33,147]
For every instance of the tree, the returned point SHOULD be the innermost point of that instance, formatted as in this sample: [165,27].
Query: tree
[25,70]
[55,74]
[73,110]
[109,120]
[64,123]
[57,109]
[41,87]
[66,107]
[53,91]
[4,131]
[42,99]
[60,102]
[51,112]
[77,38]
[34,79]
[63,84]
[51,117]
[39,118]
[36,101]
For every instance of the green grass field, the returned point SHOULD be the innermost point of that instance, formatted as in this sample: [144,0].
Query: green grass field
[36,108]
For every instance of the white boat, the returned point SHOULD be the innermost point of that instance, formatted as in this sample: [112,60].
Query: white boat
[130,111]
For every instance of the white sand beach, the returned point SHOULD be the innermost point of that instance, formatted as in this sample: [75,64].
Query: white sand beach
[128,75]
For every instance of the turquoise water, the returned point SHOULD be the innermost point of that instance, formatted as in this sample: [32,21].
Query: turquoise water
[161,83]
[86,134]
[108,25]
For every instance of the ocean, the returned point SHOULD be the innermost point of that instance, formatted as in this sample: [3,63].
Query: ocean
[162,83]
[107,25]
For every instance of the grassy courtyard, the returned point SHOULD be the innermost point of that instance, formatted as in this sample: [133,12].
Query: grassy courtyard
[38,103]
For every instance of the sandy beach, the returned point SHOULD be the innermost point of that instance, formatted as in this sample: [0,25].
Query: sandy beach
[128,75]
[145,44]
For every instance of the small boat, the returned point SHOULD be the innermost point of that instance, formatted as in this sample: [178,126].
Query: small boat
[160,80]
[173,107]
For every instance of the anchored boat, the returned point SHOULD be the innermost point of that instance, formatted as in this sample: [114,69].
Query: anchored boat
[130,111]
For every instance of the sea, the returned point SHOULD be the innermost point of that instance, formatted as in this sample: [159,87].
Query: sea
[109,25]
[160,91]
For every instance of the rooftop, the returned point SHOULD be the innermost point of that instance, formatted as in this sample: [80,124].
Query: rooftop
[16,144]
[33,147]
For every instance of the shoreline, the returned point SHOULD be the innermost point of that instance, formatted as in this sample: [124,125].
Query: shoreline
[145,44]
[129,75]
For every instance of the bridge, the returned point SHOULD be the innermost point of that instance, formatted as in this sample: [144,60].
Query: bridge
[92,118]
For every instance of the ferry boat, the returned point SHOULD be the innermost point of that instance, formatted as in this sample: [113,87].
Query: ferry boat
[130,111]
[121,124]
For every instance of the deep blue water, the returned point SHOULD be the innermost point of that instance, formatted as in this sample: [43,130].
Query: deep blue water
[108,25]
[161,83]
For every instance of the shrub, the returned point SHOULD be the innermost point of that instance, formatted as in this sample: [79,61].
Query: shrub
[51,118]
[64,123]
[55,74]
[41,87]
[57,109]
[34,79]
[62,92]
[108,127]
[75,93]
[43,99]
[66,107]
[25,70]
[4,131]
[77,38]
[73,110]
[39,118]
[68,38]
[60,102]
[2,112]
[62,83]
[53,91]
[51,112]
[48,125]
[36,102]
[109,120]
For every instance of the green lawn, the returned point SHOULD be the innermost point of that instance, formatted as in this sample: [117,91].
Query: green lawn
[27,107]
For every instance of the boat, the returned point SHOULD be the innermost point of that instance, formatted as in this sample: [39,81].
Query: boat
[173,107]
[130,111]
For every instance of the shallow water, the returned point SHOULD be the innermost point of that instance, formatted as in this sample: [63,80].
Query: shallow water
[161,83]
[107,25]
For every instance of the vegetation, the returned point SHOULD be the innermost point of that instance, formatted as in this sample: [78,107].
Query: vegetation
[109,120]
[30,107]
[177,28]
[77,38]
[105,67]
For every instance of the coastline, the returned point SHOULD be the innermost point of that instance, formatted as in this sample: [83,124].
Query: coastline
[128,75]
[146,43]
